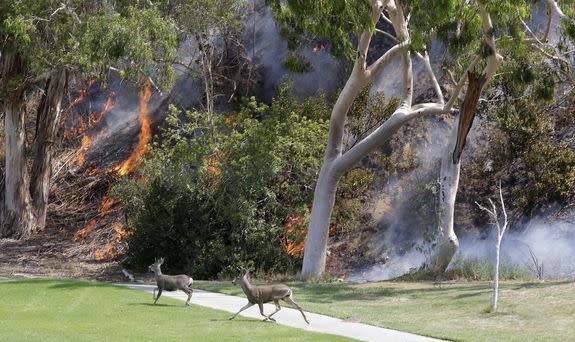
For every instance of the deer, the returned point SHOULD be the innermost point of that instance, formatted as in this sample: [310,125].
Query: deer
[170,282]
[265,294]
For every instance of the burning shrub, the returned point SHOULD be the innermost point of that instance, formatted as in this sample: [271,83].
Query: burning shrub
[218,195]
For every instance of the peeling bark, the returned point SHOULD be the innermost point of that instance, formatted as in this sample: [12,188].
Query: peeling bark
[475,84]
[18,218]
[47,121]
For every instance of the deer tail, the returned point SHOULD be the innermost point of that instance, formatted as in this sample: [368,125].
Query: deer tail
[190,282]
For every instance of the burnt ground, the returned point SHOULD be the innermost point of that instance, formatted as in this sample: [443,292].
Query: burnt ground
[54,255]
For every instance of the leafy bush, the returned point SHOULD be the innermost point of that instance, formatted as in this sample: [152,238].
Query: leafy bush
[222,192]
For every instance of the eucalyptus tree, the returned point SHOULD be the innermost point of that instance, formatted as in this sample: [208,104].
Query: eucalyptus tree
[43,42]
[474,34]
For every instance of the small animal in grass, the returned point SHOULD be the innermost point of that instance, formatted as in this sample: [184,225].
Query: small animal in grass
[265,294]
[170,282]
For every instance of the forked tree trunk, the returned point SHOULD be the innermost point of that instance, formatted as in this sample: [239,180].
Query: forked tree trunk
[336,163]
[47,121]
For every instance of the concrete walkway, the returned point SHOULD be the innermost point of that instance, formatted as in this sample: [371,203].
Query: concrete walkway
[291,317]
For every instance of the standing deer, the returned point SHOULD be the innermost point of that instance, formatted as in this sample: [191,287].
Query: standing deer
[169,282]
[265,294]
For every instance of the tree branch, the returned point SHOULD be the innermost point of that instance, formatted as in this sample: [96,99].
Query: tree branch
[495,59]
[382,134]
[427,64]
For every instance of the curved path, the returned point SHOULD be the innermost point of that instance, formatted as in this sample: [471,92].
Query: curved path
[292,318]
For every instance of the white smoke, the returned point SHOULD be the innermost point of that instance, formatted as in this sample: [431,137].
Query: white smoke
[267,49]
[552,245]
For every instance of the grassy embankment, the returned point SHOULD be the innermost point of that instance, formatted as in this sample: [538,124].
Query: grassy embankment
[528,311]
[66,310]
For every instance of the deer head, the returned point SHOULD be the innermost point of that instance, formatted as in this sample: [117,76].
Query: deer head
[244,273]
[155,267]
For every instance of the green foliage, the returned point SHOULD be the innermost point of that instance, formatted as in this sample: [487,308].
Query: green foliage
[350,199]
[88,36]
[367,112]
[547,172]
[550,174]
[334,20]
[221,196]
[297,63]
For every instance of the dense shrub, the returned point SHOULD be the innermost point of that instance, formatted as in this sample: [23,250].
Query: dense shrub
[229,190]
[534,123]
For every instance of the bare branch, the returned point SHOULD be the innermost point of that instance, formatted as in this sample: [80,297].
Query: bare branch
[363,45]
[382,134]
[386,34]
[495,59]
[384,60]
[427,64]
[549,20]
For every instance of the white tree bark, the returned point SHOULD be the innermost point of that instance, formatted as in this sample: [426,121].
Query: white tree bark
[501,228]
[450,170]
[336,163]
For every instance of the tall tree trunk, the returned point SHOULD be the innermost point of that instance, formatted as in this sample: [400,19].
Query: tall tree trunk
[449,173]
[316,240]
[448,183]
[18,218]
[47,121]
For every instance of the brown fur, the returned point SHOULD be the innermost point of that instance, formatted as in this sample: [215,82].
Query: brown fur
[265,294]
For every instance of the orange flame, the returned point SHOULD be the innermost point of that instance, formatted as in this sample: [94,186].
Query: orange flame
[114,248]
[96,118]
[294,238]
[92,121]
[86,141]
[107,203]
[134,159]
[82,233]
[317,48]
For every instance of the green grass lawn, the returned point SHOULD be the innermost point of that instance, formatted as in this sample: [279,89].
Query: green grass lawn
[527,311]
[66,310]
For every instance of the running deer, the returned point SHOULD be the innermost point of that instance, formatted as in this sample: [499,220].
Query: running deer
[169,282]
[265,294]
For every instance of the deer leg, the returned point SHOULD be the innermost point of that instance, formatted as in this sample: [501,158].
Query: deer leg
[261,305]
[188,291]
[278,308]
[289,300]
[159,294]
[154,294]
[248,305]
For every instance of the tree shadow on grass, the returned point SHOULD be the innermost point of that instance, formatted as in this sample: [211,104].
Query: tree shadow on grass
[155,305]
[540,285]
[57,283]
[326,293]
[79,284]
